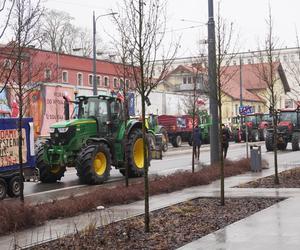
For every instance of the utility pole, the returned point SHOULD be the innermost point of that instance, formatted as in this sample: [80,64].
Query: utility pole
[241,83]
[212,81]
[94,56]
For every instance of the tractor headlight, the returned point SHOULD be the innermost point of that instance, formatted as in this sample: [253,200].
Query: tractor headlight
[51,130]
[63,130]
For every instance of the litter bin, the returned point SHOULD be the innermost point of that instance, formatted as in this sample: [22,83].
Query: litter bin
[255,158]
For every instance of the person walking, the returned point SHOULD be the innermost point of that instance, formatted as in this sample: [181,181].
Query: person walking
[197,142]
[225,140]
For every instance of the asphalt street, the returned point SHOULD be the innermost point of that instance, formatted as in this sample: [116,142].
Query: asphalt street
[175,159]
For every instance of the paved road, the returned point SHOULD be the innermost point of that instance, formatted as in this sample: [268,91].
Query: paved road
[174,160]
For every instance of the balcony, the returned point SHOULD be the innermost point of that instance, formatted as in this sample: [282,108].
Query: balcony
[190,87]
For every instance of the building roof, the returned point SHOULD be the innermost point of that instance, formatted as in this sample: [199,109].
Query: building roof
[252,79]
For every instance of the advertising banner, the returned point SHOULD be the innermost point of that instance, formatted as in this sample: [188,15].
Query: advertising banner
[9,147]
[53,105]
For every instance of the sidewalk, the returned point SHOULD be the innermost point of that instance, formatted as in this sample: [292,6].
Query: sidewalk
[277,227]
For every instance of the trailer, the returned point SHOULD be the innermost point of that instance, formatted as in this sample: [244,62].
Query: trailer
[9,155]
[179,128]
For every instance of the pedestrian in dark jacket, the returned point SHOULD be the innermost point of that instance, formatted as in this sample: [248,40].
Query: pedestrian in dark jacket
[197,142]
[225,140]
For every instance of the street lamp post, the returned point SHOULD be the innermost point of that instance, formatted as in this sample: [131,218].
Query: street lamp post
[94,49]
[212,81]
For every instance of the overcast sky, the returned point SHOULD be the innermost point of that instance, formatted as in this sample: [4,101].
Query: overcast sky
[248,17]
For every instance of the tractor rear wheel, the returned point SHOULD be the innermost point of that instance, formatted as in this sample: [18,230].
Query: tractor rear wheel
[48,173]
[269,142]
[165,139]
[295,142]
[3,189]
[135,154]
[14,187]
[93,164]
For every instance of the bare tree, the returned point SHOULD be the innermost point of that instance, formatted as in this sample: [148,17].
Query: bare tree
[267,72]
[56,28]
[144,33]
[226,41]
[23,72]
[6,7]
[125,73]
[60,35]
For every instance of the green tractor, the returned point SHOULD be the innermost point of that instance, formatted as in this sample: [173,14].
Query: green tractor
[204,124]
[92,142]
[154,129]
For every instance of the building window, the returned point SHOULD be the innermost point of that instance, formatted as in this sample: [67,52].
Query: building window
[127,83]
[91,80]
[79,79]
[121,83]
[249,61]
[285,58]
[234,62]
[292,58]
[7,64]
[189,80]
[65,76]
[106,83]
[48,74]
[98,78]
[115,82]
[184,80]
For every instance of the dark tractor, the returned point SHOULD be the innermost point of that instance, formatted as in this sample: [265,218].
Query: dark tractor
[288,130]
[92,142]
[154,129]
[252,122]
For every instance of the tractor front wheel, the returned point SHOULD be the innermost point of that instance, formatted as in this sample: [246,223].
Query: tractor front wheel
[93,164]
[269,142]
[48,173]
[295,142]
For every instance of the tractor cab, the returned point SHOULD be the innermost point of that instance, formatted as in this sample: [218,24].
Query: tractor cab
[289,119]
[288,130]
[253,120]
[105,110]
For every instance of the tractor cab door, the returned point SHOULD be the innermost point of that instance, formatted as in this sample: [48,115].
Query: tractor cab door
[116,118]
[99,110]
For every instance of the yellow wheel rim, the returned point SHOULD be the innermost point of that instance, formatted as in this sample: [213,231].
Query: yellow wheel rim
[99,163]
[138,153]
[55,169]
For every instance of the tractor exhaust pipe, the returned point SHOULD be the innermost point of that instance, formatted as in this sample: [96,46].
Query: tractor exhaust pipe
[66,108]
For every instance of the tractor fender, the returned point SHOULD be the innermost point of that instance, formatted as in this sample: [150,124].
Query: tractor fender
[135,125]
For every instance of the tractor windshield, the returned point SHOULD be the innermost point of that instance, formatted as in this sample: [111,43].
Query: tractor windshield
[93,107]
[288,116]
